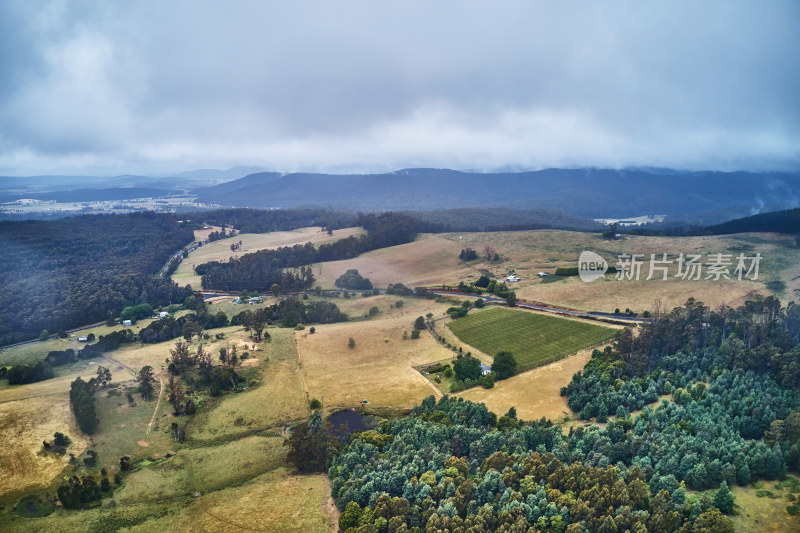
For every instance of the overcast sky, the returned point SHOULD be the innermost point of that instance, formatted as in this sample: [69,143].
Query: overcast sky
[155,87]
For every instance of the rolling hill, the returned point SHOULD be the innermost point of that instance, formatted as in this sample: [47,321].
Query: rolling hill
[585,192]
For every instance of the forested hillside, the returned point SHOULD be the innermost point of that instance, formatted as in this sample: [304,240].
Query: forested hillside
[585,192]
[786,221]
[71,272]
[731,416]
[264,221]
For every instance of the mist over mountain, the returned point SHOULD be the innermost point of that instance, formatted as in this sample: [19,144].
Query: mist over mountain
[584,192]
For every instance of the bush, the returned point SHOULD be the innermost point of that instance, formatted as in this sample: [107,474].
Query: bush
[352,280]
[312,329]
[567,271]
[415,334]
[315,404]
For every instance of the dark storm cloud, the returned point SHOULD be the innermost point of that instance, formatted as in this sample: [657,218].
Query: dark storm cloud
[150,86]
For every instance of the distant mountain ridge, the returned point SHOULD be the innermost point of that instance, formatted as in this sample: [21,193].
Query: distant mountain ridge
[583,192]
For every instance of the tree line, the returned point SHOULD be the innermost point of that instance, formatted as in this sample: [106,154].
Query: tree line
[262,269]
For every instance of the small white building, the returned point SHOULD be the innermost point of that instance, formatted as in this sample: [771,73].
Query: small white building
[542,274]
[163,314]
[83,339]
[512,277]
[127,323]
[485,369]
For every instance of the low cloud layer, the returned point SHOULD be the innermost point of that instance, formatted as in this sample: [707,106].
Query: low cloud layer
[159,87]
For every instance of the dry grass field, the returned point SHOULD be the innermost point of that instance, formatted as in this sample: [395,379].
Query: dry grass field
[376,370]
[274,502]
[528,252]
[251,242]
[24,425]
[535,393]
[764,514]
[433,259]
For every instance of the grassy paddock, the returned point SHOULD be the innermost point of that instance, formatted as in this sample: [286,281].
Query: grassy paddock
[765,513]
[279,399]
[534,339]
[534,394]
[380,368]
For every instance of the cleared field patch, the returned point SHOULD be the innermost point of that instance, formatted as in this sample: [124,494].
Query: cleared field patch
[528,252]
[536,393]
[251,242]
[275,501]
[24,425]
[534,339]
[430,260]
[279,398]
[123,428]
[765,514]
[217,467]
[379,368]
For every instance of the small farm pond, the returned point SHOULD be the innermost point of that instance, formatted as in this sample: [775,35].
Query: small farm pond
[346,422]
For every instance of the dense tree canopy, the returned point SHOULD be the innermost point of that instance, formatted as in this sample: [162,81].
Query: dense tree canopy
[353,280]
[70,272]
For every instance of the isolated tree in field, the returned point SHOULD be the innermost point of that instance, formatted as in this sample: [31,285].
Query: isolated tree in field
[229,356]
[419,323]
[255,322]
[60,440]
[204,363]
[181,359]
[351,343]
[103,376]
[415,334]
[511,299]
[145,379]
[504,365]
[176,394]
[468,254]
[275,290]
[611,231]
[353,280]
[489,252]
[81,397]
